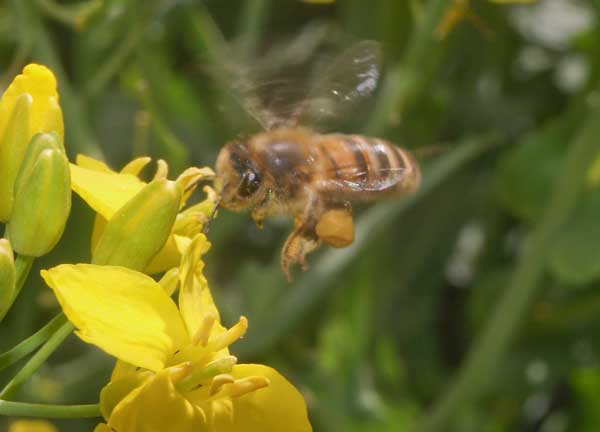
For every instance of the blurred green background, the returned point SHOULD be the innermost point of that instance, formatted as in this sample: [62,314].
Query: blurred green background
[472,306]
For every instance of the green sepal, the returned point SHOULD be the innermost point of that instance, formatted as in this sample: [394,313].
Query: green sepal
[139,229]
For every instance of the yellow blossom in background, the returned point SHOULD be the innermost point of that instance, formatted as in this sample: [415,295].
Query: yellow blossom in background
[32,426]
[175,371]
[461,11]
[106,191]
[29,106]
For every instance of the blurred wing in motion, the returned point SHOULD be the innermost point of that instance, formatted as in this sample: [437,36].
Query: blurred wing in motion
[284,88]
[272,87]
[343,86]
[271,103]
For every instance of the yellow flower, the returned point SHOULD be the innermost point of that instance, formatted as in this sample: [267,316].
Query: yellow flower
[175,371]
[28,106]
[32,426]
[106,191]
[460,11]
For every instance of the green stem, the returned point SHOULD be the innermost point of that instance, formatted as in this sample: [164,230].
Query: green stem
[406,80]
[312,286]
[38,359]
[75,16]
[23,267]
[252,24]
[210,45]
[27,346]
[115,62]
[494,340]
[21,409]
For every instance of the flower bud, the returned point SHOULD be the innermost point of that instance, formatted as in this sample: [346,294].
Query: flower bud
[42,197]
[139,229]
[28,106]
[12,151]
[7,276]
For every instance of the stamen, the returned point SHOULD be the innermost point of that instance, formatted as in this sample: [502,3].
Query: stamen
[244,386]
[180,371]
[191,176]
[225,339]
[203,333]
[162,170]
[219,381]
[222,365]
[169,281]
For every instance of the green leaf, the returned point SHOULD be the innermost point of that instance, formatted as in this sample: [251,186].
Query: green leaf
[574,256]
[526,175]
[585,383]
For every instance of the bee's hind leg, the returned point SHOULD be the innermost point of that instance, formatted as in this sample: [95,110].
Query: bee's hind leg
[302,241]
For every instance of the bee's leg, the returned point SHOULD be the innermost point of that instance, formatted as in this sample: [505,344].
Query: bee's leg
[258,216]
[262,211]
[300,243]
[302,240]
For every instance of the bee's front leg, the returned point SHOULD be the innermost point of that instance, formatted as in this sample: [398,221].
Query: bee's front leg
[263,210]
[259,214]
[303,239]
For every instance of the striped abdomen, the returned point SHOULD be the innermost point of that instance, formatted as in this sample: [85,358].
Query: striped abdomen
[363,168]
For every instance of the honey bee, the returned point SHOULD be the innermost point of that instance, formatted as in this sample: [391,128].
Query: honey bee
[292,170]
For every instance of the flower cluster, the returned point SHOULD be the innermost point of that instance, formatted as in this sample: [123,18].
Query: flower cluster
[174,370]
[35,174]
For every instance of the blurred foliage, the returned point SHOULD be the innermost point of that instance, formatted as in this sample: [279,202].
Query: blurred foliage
[473,306]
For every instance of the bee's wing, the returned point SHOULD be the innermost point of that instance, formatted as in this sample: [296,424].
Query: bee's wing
[344,85]
[272,87]
[271,102]
[346,178]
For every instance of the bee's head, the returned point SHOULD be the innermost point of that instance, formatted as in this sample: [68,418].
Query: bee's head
[239,180]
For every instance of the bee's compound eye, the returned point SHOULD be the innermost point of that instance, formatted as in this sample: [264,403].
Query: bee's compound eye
[250,183]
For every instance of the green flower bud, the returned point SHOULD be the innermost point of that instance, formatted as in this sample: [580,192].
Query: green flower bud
[7,277]
[139,229]
[12,151]
[42,197]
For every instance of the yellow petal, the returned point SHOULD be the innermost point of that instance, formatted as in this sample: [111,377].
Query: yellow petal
[195,299]
[123,312]
[32,426]
[136,166]
[102,427]
[122,369]
[157,407]
[115,391]
[167,258]
[97,231]
[105,192]
[266,409]
[87,162]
